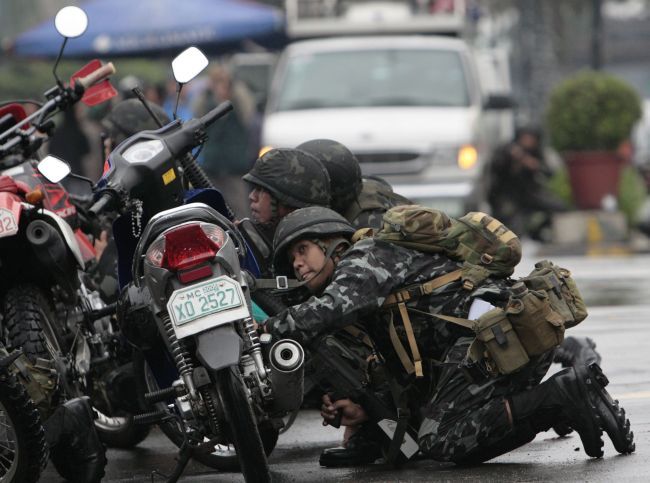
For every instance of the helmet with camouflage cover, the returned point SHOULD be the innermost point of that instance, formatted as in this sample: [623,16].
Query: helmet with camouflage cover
[315,222]
[130,117]
[292,176]
[342,167]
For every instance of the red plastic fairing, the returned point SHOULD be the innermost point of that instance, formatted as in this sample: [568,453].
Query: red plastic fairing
[98,93]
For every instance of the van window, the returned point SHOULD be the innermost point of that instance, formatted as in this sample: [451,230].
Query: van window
[373,78]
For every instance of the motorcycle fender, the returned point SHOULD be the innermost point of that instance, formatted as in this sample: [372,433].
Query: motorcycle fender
[10,209]
[68,235]
[219,347]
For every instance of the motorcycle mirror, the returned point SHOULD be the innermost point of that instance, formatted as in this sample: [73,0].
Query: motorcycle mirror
[71,22]
[53,168]
[188,64]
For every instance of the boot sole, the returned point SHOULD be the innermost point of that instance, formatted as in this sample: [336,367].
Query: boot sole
[613,420]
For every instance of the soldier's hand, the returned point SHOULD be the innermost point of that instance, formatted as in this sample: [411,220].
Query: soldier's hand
[100,244]
[352,414]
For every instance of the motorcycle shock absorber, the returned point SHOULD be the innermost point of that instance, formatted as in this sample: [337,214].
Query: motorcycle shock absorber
[255,348]
[180,355]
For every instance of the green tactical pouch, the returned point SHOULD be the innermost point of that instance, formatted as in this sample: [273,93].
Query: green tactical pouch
[538,326]
[562,291]
[498,343]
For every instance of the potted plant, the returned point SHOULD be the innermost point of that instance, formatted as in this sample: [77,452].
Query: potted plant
[589,119]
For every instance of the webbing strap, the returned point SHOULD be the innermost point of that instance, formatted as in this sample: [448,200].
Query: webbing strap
[424,289]
[277,283]
[399,348]
[359,335]
[400,398]
[417,360]
[469,324]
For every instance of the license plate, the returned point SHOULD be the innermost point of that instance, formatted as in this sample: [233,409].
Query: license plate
[205,305]
[8,225]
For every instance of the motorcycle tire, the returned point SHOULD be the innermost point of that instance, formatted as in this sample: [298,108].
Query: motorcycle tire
[223,460]
[29,323]
[23,448]
[243,427]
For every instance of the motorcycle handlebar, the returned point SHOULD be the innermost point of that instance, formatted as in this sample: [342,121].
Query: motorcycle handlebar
[98,206]
[216,113]
[96,76]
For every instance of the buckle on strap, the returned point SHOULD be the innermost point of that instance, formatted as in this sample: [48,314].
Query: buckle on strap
[281,282]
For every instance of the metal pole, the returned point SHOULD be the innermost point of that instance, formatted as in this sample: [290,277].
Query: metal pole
[597,35]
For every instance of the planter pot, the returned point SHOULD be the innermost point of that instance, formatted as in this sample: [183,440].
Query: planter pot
[593,175]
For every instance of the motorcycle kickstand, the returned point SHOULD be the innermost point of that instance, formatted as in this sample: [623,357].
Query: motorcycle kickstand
[184,456]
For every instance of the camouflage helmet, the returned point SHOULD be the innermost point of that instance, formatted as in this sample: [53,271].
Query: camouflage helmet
[311,222]
[130,117]
[343,168]
[294,177]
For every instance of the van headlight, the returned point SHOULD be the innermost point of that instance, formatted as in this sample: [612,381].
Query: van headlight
[465,156]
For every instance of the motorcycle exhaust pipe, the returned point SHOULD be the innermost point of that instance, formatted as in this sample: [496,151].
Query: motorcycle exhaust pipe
[50,247]
[51,252]
[287,374]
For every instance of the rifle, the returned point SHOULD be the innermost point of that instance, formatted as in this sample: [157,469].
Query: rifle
[343,370]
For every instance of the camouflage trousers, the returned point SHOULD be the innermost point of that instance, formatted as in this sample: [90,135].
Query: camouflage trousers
[466,421]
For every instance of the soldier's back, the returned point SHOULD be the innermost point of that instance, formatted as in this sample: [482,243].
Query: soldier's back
[376,197]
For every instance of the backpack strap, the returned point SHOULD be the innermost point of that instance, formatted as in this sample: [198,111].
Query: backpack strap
[399,348]
[400,298]
[426,288]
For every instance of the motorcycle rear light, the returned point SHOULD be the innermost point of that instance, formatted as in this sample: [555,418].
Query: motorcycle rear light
[188,246]
[193,274]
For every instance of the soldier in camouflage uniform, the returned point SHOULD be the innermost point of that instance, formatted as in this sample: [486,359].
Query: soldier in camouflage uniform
[468,420]
[362,201]
[282,180]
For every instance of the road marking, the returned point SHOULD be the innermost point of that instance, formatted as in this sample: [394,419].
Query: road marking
[634,395]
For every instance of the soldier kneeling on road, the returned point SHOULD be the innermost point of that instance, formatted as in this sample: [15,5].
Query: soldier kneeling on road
[478,403]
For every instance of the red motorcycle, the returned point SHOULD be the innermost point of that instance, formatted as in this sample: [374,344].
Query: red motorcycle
[46,308]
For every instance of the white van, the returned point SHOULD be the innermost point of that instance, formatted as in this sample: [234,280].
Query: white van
[412,109]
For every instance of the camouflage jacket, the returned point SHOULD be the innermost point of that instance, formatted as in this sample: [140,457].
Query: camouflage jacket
[375,199]
[367,273]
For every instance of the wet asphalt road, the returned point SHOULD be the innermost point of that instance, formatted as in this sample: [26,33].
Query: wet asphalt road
[618,294]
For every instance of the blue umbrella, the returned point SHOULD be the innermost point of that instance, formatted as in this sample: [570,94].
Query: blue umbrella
[148,27]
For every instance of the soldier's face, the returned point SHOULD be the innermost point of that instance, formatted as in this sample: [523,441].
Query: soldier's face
[310,264]
[260,204]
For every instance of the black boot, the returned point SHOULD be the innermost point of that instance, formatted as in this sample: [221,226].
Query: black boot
[361,449]
[572,352]
[75,449]
[576,396]
[577,350]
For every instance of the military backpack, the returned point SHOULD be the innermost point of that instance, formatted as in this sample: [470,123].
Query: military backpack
[484,244]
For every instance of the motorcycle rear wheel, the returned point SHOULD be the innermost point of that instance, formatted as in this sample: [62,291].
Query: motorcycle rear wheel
[243,427]
[224,458]
[23,448]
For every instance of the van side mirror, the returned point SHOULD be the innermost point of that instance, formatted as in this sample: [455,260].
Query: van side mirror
[499,101]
